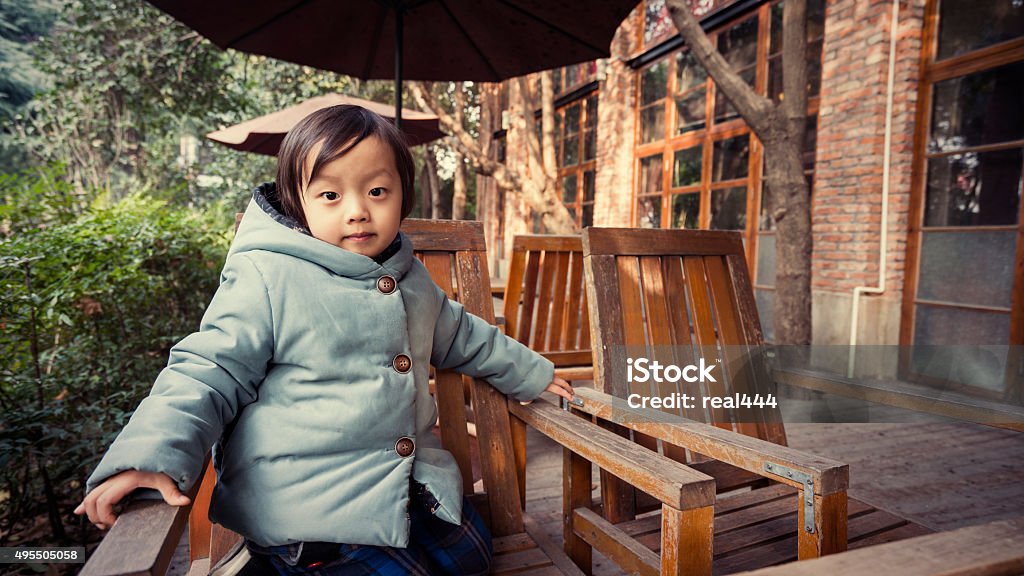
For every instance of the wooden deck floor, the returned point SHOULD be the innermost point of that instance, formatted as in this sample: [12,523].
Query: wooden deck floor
[942,475]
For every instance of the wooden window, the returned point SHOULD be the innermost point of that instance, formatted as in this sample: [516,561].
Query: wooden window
[964,255]
[577,157]
[697,164]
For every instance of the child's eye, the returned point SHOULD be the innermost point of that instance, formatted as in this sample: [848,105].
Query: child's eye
[377,192]
[330,195]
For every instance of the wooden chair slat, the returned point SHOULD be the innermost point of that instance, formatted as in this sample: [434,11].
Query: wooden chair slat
[736,366]
[451,409]
[514,293]
[530,288]
[549,271]
[575,309]
[555,339]
[704,330]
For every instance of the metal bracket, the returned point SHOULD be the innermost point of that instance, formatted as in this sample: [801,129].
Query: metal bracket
[575,402]
[808,492]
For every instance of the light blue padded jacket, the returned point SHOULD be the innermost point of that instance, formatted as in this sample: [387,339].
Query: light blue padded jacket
[296,350]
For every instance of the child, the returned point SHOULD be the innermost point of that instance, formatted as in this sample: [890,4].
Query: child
[311,369]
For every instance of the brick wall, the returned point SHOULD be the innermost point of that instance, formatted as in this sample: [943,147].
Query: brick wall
[616,127]
[848,174]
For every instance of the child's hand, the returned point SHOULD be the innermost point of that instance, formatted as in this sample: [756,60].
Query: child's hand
[561,388]
[99,504]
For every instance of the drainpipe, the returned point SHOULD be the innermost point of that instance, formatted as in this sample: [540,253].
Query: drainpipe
[886,161]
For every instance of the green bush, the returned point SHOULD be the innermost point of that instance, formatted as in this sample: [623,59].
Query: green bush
[90,305]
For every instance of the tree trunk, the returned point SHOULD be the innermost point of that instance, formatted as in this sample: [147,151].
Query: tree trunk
[780,127]
[536,188]
[459,195]
[434,185]
[425,194]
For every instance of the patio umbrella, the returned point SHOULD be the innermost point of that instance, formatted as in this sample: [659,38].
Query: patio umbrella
[263,135]
[486,41]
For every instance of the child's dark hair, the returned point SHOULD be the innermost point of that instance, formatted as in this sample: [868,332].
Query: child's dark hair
[340,128]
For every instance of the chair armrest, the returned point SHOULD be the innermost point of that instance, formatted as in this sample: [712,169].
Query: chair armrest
[674,484]
[751,454]
[142,540]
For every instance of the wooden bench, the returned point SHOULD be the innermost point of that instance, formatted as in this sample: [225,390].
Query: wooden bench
[146,534]
[993,549]
[676,297]
[907,395]
[546,302]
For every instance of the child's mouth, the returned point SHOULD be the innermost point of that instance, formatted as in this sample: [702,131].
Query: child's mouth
[360,237]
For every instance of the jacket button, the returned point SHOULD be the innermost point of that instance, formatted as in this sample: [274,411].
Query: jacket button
[405,446]
[386,284]
[401,363]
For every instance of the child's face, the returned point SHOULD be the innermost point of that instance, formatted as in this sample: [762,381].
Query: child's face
[355,202]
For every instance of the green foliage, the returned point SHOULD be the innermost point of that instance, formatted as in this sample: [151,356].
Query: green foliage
[89,309]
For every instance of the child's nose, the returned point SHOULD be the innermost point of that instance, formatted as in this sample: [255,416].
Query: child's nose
[356,211]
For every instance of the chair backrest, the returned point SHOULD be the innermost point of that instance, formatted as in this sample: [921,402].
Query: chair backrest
[545,299]
[677,297]
[454,253]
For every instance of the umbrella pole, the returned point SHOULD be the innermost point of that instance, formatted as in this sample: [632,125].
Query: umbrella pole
[399,25]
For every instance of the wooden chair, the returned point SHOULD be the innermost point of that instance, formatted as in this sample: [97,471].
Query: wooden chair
[146,534]
[676,297]
[546,302]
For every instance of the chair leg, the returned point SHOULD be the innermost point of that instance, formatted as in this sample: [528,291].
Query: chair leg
[830,524]
[686,541]
[576,475]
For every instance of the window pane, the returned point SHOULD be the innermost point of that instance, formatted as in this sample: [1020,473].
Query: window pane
[650,175]
[572,119]
[686,211]
[983,108]
[967,267]
[729,208]
[730,158]
[648,212]
[572,212]
[657,22]
[588,216]
[766,260]
[691,110]
[775,86]
[766,311]
[815,24]
[935,326]
[652,124]
[569,189]
[592,113]
[974,189]
[589,145]
[686,170]
[571,151]
[689,72]
[766,222]
[966,26]
[724,110]
[588,186]
[739,44]
[654,83]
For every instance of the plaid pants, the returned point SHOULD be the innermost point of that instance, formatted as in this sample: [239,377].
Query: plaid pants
[435,548]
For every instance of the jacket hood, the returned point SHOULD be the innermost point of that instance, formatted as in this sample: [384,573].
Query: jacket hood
[265,227]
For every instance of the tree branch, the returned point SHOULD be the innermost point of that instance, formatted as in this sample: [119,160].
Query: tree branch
[754,108]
